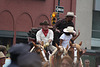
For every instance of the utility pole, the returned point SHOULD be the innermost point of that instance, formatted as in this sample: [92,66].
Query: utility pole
[70,5]
[58,13]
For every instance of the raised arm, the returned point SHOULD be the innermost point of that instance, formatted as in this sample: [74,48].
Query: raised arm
[76,36]
[57,25]
[61,40]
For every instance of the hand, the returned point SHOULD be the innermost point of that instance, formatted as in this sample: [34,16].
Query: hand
[40,42]
[46,45]
[84,51]
[78,32]
[58,30]
[60,46]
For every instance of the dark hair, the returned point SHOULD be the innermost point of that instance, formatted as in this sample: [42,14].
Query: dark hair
[70,16]
[3,48]
[67,33]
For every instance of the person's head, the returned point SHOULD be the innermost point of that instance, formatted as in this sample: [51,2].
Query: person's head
[66,61]
[17,50]
[68,34]
[87,62]
[69,30]
[3,49]
[44,25]
[30,60]
[2,59]
[69,17]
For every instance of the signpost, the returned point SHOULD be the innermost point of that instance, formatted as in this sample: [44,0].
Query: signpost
[59,9]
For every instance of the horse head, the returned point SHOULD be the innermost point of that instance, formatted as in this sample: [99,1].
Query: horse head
[56,56]
[40,50]
[60,50]
[75,52]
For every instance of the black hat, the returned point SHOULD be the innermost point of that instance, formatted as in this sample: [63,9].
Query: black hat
[44,23]
[19,49]
[30,60]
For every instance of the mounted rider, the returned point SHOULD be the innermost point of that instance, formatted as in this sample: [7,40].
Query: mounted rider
[63,23]
[66,36]
[45,35]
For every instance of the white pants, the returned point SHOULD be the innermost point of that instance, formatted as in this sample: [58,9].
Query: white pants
[51,48]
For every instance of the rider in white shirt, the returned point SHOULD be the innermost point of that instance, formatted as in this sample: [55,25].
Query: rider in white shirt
[66,36]
[45,35]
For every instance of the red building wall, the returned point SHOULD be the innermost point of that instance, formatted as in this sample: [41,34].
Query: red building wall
[21,15]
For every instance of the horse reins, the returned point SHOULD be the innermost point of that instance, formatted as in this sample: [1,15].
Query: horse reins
[75,55]
[44,54]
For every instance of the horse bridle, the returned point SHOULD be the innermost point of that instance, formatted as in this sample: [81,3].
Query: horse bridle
[44,56]
[75,54]
[42,51]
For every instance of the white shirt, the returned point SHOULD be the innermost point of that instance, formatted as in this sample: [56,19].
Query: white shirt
[7,62]
[65,39]
[41,37]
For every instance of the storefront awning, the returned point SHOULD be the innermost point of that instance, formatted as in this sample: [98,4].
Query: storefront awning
[10,34]
[4,33]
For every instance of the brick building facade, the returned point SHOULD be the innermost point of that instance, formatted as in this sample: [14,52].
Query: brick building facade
[17,17]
